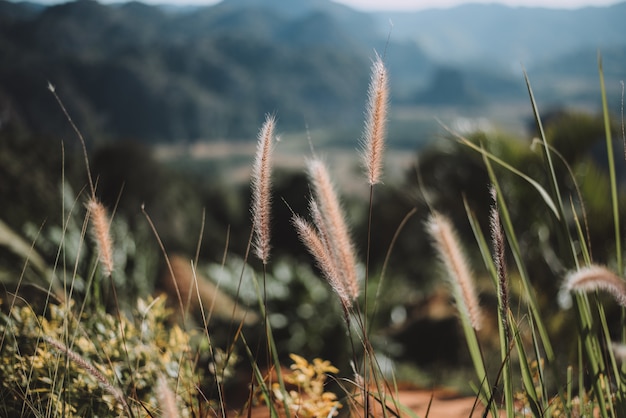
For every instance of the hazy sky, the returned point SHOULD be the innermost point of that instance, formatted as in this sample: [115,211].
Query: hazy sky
[404,4]
[426,4]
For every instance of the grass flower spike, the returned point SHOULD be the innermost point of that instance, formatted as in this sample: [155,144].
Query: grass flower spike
[261,184]
[325,261]
[100,231]
[376,120]
[593,278]
[332,223]
[449,250]
[167,399]
[497,238]
[89,368]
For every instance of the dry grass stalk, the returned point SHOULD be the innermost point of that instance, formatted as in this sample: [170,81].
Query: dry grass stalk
[199,293]
[89,368]
[261,184]
[497,237]
[376,121]
[449,250]
[332,222]
[100,231]
[167,399]
[593,278]
[325,260]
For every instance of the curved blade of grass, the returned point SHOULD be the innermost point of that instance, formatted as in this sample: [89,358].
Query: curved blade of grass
[611,161]
[544,194]
[483,246]
[554,185]
[586,244]
[484,391]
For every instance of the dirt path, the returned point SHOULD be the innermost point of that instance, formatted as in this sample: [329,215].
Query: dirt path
[444,404]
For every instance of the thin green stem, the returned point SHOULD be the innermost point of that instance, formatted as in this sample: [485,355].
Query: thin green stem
[612,176]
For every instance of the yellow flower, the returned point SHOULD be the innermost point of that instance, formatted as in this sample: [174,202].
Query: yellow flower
[309,399]
[324,366]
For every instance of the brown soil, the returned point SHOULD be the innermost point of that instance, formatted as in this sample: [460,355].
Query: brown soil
[437,403]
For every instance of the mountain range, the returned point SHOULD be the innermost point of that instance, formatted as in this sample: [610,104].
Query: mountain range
[171,74]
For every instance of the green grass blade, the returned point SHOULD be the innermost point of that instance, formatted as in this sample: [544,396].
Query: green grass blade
[526,371]
[484,391]
[584,248]
[541,375]
[591,348]
[615,378]
[267,392]
[483,246]
[542,192]
[611,161]
[554,185]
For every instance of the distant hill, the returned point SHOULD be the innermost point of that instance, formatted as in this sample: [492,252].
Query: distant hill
[134,71]
[502,35]
[157,73]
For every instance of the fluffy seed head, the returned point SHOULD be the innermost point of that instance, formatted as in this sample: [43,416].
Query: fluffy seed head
[100,231]
[325,260]
[261,184]
[594,277]
[449,251]
[167,399]
[89,368]
[376,121]
[332,222]
[497,238]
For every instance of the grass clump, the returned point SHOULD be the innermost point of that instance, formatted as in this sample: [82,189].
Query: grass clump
[59,364]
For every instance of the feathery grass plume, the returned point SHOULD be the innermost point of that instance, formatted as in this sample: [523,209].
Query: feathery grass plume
[333,224]
[100,231]
[450,253]
[261,183]
[89,368]
[167,399]
[594,277]
[318,221]
[497,237]
[373,140]
[325,260]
